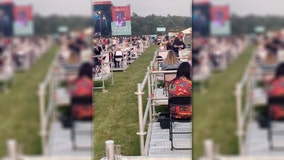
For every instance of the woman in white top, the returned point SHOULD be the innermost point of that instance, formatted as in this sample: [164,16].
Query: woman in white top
[118,56]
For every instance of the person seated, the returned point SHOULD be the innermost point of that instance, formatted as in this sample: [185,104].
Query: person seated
[268,65]
[82,86]
[171,62]
[270,61]
[2,64]
[275,88]
[181,86]
[118,56]
[71,65]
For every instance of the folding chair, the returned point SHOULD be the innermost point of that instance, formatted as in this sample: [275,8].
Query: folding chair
[274,101]
[168,77]
[174,102]
[75,101]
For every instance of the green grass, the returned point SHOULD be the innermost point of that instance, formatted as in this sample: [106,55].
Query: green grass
[19,107]
[214,111]
[116,113]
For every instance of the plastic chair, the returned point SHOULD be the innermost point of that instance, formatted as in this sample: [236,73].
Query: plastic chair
[75,101]
[174,102]
[277,100]
[168,77]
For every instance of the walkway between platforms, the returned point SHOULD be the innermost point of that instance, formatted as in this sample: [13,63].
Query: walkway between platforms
[116,111]
[19,107]
[215,112]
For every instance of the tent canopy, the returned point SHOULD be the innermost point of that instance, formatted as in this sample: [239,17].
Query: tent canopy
[187,31]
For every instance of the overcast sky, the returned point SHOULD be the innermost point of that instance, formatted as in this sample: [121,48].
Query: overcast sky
[158,7]
[83,7]
[256,7]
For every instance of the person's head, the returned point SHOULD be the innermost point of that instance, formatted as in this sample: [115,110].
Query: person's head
[271,57]
[184,70]
[171,58]
[180,35]
[85,70]
[279,70]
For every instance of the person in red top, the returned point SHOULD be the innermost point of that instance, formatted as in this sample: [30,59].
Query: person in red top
[276,89]
[181,86]
[82,86]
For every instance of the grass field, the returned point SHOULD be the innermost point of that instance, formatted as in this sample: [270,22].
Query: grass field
[19,107]
[214,111]
[116,113]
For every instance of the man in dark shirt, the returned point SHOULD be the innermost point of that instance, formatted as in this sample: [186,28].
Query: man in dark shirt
[178,43]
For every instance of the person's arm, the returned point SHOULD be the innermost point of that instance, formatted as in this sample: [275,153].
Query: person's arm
[183,46]
[163,66]
[175,44]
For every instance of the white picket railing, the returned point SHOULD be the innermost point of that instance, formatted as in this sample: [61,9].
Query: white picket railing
[15,154]
[211,154]
[244,116]
[47,88]
[243,106]
[112,155]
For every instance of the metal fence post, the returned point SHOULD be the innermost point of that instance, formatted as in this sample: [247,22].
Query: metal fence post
[149,92]
[239,116]
[141,132]
[109,149]
[12,149]
[42,115]
[208,149]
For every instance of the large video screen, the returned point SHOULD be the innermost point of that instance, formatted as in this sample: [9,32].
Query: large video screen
[220,21]
[201,18]
[121,23]
[102,18]
[23,21]
[6,19]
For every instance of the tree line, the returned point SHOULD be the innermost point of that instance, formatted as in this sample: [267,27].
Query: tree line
[49,24]
[247,24]
[239,24]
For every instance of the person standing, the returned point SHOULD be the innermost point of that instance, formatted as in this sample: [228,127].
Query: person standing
[178,43]
[169,44]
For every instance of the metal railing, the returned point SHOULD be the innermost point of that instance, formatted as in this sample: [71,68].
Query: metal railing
[47,107]
[210,153]
[243,106]
[149,83]
[105,72]
[112,155]
[15,154]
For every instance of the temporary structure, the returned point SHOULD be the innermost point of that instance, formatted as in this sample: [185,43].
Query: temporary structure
[187,31]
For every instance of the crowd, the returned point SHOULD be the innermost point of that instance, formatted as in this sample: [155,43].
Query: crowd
[75,63]
[177,84]
[119,49]
[270,64]
[24,51]
[216,53]
[19,53]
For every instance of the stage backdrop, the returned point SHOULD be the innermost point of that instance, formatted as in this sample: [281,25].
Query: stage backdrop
[201,17]
[6,18]
[23,21]
[220,21]
[102,18]
[121,23]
